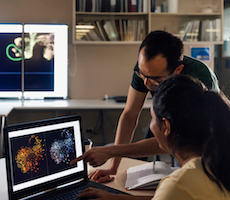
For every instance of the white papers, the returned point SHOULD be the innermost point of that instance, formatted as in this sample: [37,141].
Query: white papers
[143,177]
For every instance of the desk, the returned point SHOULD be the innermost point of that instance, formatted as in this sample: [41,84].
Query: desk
[118,182]
[7,106]
[120,178]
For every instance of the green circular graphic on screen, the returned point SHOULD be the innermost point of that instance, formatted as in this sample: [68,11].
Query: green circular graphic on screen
[9,56]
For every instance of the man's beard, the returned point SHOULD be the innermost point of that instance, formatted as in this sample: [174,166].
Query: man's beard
[152,87]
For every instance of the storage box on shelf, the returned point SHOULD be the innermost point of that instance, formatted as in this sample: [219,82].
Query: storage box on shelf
[129,21]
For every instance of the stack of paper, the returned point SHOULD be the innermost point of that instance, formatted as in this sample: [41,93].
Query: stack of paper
[145,177]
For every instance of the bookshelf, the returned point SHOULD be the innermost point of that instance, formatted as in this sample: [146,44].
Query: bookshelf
[129,21]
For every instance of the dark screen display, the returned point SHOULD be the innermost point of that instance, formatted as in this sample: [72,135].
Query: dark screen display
[38,62]
[42,154]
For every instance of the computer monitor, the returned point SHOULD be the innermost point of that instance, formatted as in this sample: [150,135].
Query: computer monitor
[45,61]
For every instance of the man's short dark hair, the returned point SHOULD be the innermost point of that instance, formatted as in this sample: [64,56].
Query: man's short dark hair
[164,43]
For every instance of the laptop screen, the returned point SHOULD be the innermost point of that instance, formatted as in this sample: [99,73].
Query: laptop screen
[39,153]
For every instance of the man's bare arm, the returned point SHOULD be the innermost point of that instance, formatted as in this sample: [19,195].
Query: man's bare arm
[145,147]
[99,155]
[128,122]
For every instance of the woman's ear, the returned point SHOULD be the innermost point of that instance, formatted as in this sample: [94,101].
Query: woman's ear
[167,126]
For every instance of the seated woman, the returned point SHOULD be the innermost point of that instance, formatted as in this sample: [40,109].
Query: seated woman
[192,124]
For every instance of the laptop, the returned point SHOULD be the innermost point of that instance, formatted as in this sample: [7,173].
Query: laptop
[38,156]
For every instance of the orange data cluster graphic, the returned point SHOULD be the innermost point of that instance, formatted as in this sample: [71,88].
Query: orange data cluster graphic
[28,157]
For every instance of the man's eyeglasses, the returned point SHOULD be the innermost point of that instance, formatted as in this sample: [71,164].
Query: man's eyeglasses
[155,79]
[151,79]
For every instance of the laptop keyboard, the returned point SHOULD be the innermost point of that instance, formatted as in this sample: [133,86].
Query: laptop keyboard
[72,194]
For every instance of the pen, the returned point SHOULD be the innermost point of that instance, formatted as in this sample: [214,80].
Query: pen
[154,162]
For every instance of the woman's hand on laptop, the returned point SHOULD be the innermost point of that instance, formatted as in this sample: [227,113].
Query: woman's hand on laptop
[104,195]
[96,156]
[97,194]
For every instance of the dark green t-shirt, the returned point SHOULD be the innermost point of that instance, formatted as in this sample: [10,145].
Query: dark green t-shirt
[193,67]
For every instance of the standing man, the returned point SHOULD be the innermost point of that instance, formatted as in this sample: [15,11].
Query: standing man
[160,55]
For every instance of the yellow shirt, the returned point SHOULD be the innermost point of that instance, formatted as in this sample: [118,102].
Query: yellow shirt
[190,183]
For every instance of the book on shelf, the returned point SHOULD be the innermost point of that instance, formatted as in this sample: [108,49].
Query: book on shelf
[113,23]
[218,30]
[145,177]
[93,6]
[210,30]
[125,30]
[99,28]
[188,31]
[105,5]
[195,31]
[205,26]
[132,5]
[214,30]
[80,5]
[109,29]
[98,31]
[182,28]
[132,29]
[125,5]
[203,30]
[200,30]
[135,30]
[145,6]
[101,23]
[83,5]
[111,5]
[86,38]
[118,6]
[114,30]
[122,31]
[129,30]
[144,32]
[140,30]
[153,5]
[88,6]
[94,36]
[139,5]
[98,5]
[120,28]
[121,5]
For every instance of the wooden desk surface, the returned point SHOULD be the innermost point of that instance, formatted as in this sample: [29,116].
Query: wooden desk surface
[120,178]
[118,183]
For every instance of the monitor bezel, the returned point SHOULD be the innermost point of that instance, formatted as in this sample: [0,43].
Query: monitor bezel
[50,184]
[60,60]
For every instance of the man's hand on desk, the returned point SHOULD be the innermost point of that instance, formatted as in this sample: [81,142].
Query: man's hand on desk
[96,156]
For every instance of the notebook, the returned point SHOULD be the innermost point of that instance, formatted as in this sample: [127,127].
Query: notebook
[38,156]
